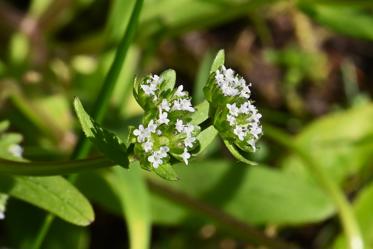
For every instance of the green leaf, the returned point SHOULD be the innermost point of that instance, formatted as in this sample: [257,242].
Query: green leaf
[108,143]
[218,61]
[167,172]
[206,137]
[202,77]
[257,195]
[169,77]
[342,19]
[341,141]
[237,154]
[201,113]
[124,193]
[54,194]
[363,212]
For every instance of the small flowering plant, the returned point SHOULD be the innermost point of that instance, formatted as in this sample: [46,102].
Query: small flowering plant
[170,131]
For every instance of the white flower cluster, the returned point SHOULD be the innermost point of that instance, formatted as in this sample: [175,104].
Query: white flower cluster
[231,84]
[181,101]
[151,86]
[244,119]
[150,138]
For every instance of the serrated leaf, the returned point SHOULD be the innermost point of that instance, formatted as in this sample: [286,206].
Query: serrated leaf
[107,142]
[54,194]
[218,61]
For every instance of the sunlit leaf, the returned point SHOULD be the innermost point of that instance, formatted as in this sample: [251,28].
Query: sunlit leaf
[108,143]
[53,194]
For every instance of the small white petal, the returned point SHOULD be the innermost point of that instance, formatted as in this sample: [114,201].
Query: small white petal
[185,156]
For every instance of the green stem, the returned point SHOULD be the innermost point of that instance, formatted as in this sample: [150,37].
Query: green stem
[102,100]
[344,208]
[52,168]
[101,104]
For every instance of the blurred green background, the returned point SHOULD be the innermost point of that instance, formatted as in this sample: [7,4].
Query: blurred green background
[311,67]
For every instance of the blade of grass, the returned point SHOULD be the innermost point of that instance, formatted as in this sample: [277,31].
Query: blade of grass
[101,104]
[345,212]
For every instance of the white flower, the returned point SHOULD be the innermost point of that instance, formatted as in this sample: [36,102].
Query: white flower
[188,129]
[155,159]
[149,89]
[152,126]
[179,91]
[185,156]
[233,110]
[255,130]
[240,132]
[165,105]
[2,215]
[183,105]
[163,117]
[141,133]
[163,151]
[231,119]
[179,125]
[16,150]
[188,142]
[147,146]
[155,80]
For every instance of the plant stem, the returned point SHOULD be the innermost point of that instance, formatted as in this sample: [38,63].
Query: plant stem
[102,100]
[101,104]
[52,168]
[239,228]
[344,209]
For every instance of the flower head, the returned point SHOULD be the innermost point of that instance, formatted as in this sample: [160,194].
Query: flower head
[166,131]
[235,115]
